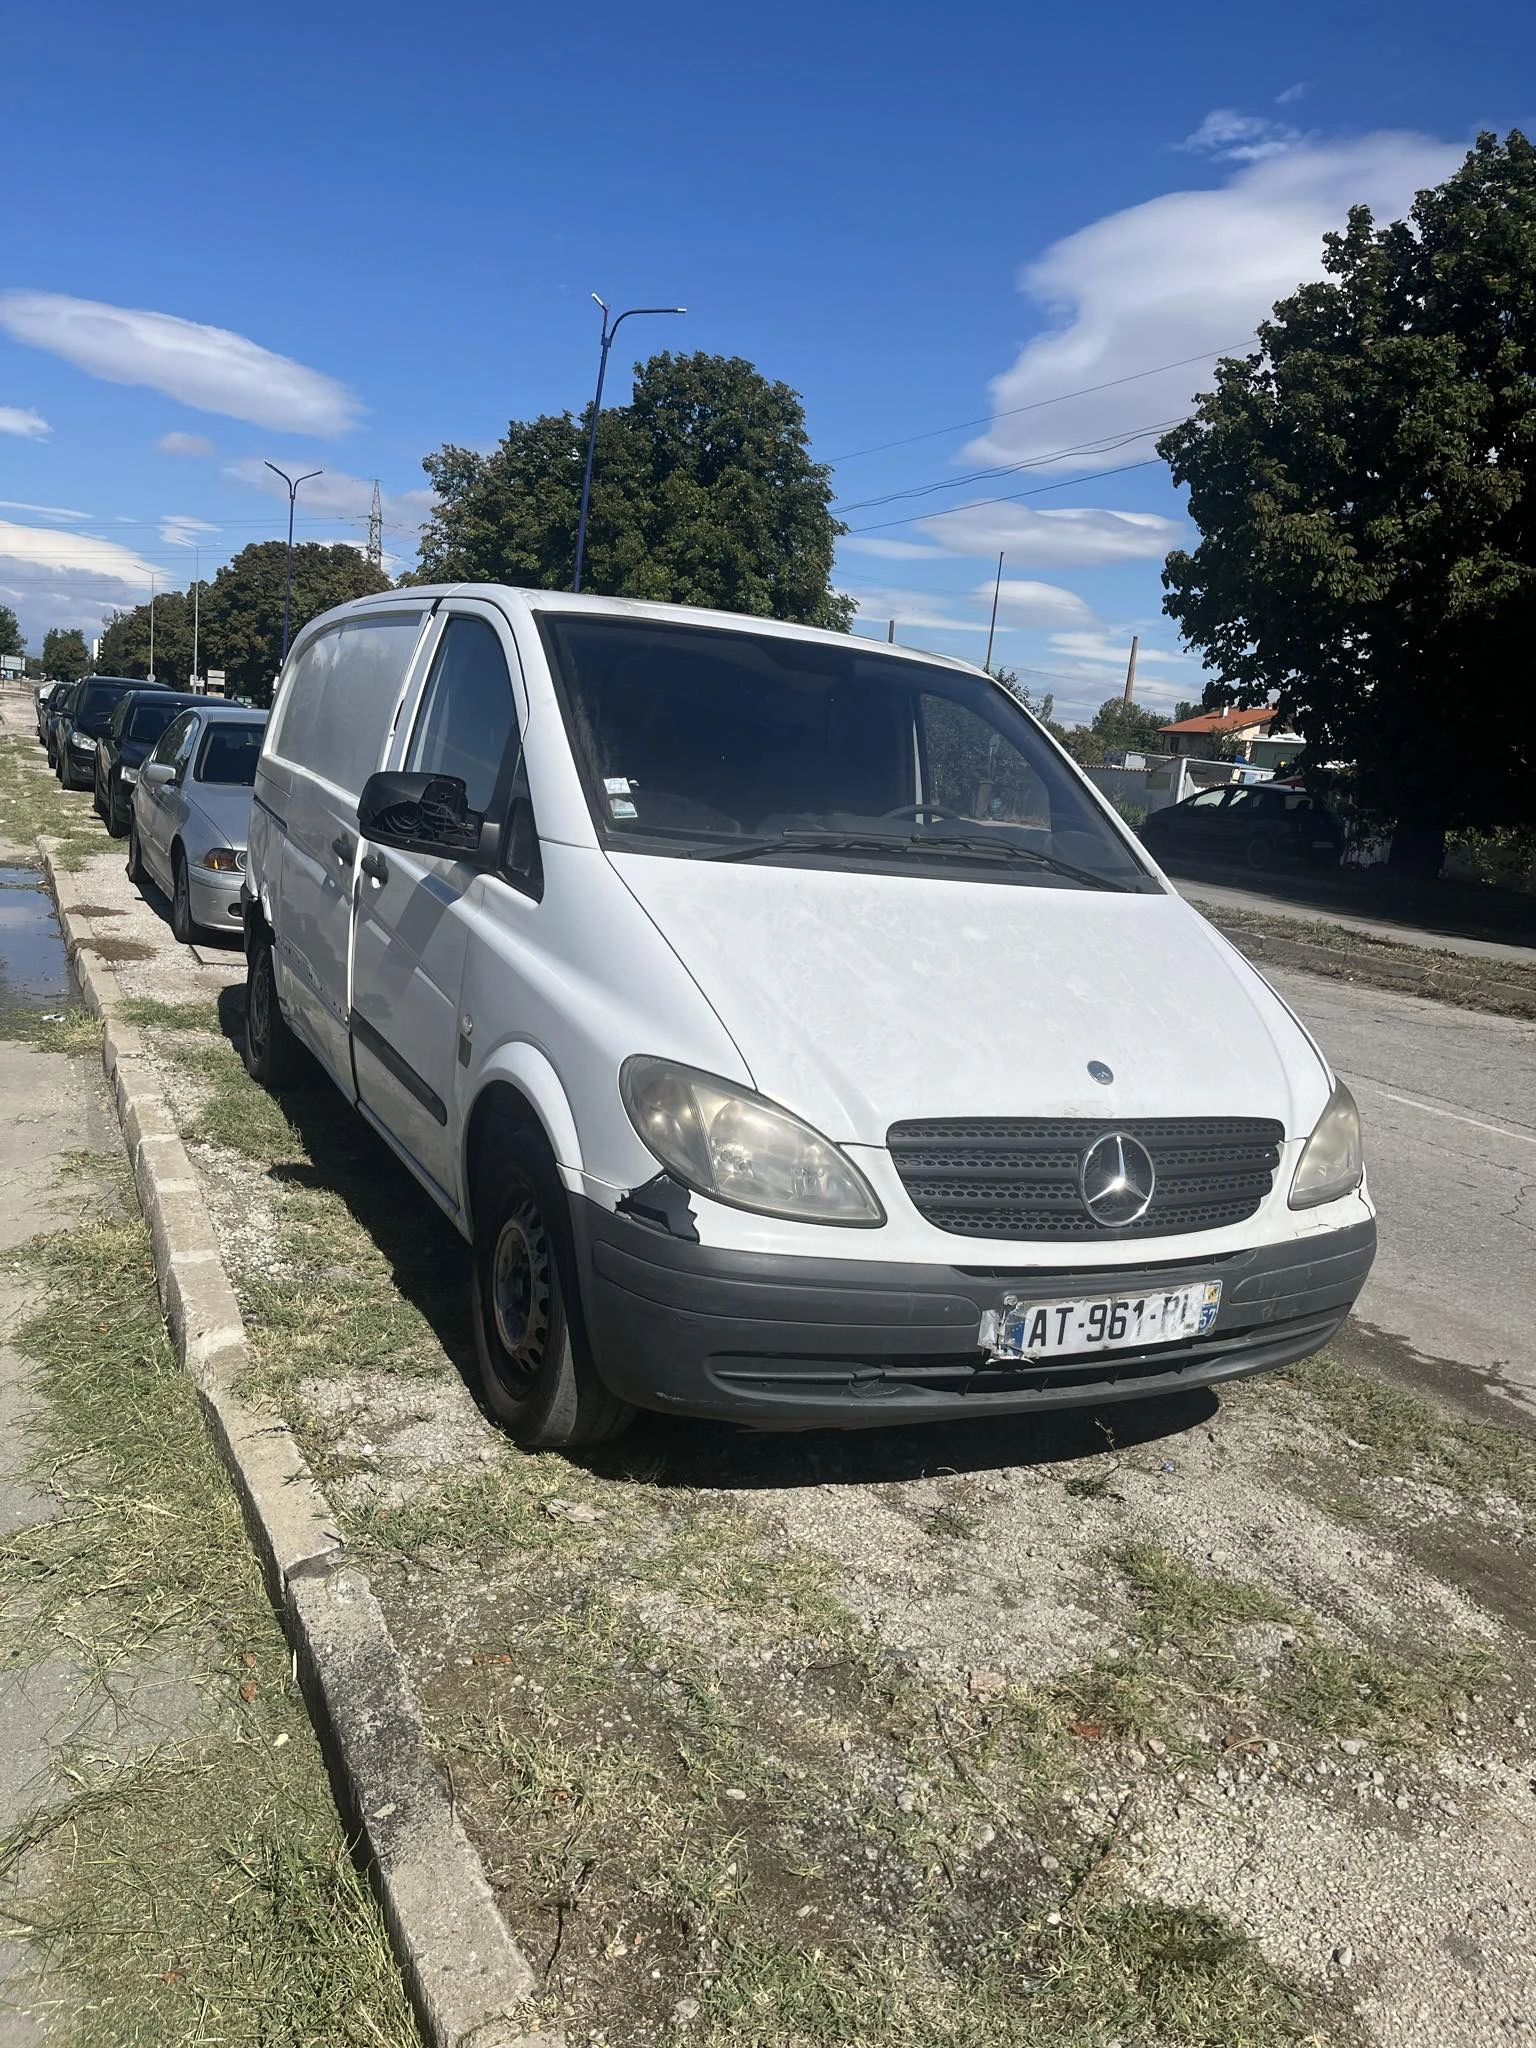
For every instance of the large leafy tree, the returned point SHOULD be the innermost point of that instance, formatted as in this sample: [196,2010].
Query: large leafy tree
[65,654]
[11,641]
[704,492]
[125,641]
[1365,490]
[242,608]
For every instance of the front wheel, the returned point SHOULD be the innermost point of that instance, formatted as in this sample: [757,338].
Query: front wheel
[116,823]
[534,1370]
[1259,853]
[183,923]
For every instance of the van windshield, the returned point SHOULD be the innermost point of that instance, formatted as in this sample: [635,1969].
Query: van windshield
[699,743]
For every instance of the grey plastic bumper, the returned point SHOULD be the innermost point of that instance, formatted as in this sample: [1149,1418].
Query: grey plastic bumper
[756,1338]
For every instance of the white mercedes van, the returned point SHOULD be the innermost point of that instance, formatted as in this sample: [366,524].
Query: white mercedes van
[793,1031]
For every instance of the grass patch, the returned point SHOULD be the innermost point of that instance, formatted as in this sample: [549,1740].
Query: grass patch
[236,1112]
[1396,1433]
[203,1891]
[1195,1610]
[158,1016]
[32,803]
[69,1030]
[1363,1692]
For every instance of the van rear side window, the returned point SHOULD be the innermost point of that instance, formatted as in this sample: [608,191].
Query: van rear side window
[340,698]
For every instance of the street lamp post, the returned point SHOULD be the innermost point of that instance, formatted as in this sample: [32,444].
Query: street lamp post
[610,329]
[293,483]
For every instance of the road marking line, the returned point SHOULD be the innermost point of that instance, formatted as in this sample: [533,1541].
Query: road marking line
[1455,1116]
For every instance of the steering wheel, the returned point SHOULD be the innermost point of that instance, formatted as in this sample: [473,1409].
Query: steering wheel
[920,811]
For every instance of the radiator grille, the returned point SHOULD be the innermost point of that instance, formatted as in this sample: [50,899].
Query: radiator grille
[1016,1177]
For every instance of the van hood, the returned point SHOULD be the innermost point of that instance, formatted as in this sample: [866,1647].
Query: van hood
[861,1000]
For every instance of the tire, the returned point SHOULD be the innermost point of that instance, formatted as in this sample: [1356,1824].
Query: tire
[535,1374]
[1259,853]
[138,874]
[96,803]
[184,925]
[116,811]
[273,1056]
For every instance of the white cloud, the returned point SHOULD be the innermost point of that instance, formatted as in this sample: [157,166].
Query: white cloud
[48,511]
[913,609]
[1078,537]
[184,444]
[21,420]
[208,368]
[1232,137]
[54,578]
[1180,274]
[1023,603]
[183,532]
[891,550]
[1291,95]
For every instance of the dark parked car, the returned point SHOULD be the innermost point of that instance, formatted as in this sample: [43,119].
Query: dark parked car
[46,695]
[80,731]
[139,719]
[1256,825]
[53,718]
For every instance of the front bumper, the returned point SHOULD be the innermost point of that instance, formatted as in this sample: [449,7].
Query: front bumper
[761,1338]
[215,897]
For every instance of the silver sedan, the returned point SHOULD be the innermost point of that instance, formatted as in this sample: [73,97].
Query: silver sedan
[191,814]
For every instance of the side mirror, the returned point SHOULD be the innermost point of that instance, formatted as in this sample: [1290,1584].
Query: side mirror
[420,814]
[156,773]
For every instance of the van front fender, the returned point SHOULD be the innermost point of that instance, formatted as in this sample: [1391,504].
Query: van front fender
[518,1078]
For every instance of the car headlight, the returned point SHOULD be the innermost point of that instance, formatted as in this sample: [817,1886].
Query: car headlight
[224,860]
[129,774]
[1333,1161]
[726,1142]
[83,741]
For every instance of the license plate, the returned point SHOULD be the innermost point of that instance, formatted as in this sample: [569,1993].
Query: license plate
[1112,1322]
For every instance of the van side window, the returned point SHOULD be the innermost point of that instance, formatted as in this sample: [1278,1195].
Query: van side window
[468,716]
[338,703]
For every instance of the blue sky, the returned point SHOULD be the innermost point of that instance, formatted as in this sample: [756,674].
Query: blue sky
[337,238]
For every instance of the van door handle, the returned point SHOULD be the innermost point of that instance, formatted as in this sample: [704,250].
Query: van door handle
[341,847]
[375,867]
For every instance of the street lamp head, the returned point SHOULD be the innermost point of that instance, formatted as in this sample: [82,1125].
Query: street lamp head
[599,302]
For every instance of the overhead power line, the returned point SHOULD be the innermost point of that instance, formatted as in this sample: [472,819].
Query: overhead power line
[1011,498]
[1036,405]
[1105,445]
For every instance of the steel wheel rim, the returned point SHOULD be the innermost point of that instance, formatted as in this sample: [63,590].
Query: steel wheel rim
[520,1295]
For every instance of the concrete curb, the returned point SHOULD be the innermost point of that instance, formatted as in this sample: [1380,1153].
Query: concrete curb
[466,1977]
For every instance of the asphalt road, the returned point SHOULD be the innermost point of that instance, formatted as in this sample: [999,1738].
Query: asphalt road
[1448,1099]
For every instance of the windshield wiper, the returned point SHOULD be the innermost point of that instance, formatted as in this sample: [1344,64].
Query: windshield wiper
[907,843]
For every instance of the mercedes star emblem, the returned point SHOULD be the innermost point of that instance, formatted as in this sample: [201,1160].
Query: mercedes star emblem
[1116,1179]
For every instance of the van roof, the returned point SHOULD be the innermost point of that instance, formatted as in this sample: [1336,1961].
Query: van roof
[566,601]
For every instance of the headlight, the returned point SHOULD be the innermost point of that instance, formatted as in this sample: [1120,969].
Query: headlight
[1333,1163]
[730,1144]
[129,774]
[223,860]
[84,742]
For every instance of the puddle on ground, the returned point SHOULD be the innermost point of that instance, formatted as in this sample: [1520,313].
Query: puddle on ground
[34,968]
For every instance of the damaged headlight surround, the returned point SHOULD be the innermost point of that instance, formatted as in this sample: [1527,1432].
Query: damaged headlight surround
[736,1147]
[1332,1163]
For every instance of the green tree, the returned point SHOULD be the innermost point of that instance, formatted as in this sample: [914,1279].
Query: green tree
[125,641]
[11,641]
[703,493]
[242,608]
[65,654]
[1363,490]
[1042,709]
